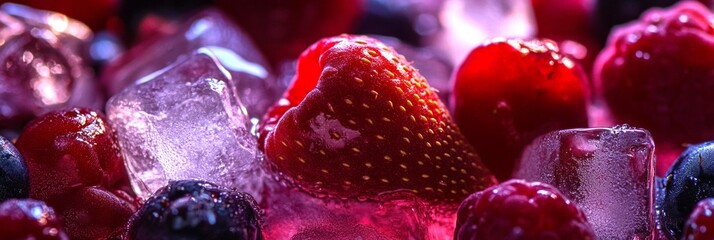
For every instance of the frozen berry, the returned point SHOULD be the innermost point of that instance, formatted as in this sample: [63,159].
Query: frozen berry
[689,180]
[521,210]
[508,92]
[72,157]
[71,148]
[700,225]
[14,179]
[359,120]
[92,212]
[656,73]
[191,209]
[29,219]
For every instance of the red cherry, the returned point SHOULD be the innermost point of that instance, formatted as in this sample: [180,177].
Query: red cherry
[568,20]
[29,219]
[93,212]
[508,92]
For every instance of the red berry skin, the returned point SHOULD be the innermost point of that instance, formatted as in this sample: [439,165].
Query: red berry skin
[521,210]
[358,120]
[508,92]
[70,148]
[93,212]
[656,73]
[29,219]
[283,29]
[700,225]
[568,20]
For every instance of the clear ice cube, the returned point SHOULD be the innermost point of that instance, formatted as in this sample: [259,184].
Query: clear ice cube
[184,122]
[608,172]
[43,66]
[210,28]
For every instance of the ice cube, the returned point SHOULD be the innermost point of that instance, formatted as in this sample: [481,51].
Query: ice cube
[71,33]
[43,67]
[210,28]
[608,172]
[468,23]
[183,122]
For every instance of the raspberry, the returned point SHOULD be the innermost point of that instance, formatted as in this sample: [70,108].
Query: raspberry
[517,209]
[701,222]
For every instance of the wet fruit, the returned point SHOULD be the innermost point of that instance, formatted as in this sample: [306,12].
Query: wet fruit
[508,92]
[14,178]
[191,209]
[29,219]
[656,74]
[358,120]
[521,210]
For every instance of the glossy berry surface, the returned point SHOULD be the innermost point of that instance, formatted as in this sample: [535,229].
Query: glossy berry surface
[75,166]
[656,74]
[700,225]
[190,209]
[283,29]
[508,92]
[689,180]
[358,120]
[568,20]
[69,148]
[93,212]
[521,210]
[29,219]
[14,177]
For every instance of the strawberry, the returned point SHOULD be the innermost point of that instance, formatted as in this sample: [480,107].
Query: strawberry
[358,120]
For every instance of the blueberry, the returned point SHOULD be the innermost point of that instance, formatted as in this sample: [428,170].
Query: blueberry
[14,177]
[689,180]
[191,209]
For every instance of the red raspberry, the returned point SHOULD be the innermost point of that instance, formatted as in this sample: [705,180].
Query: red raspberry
[701,222]
[517,209]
